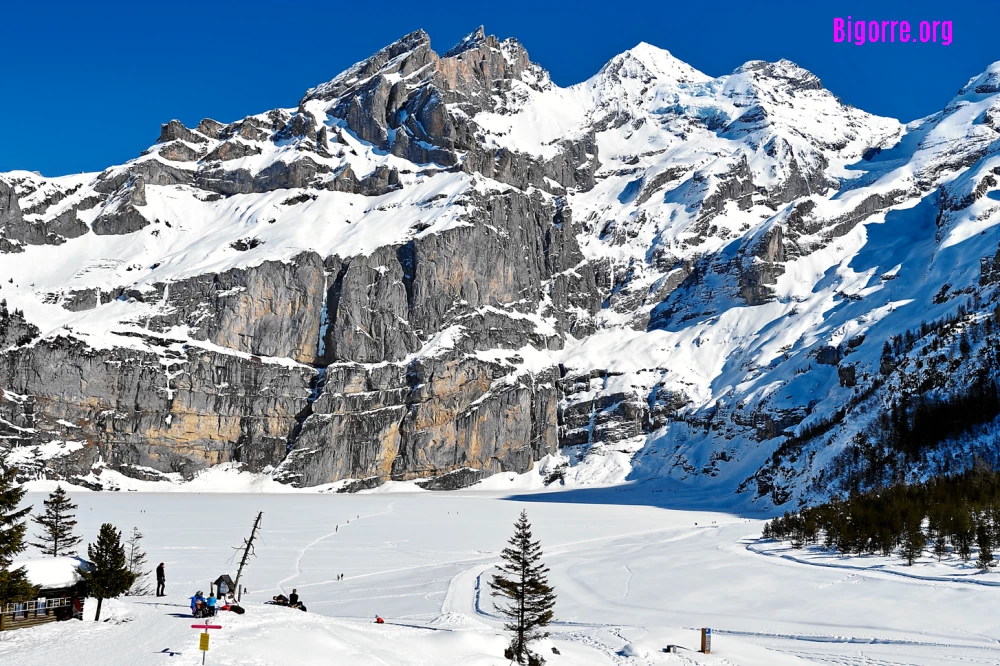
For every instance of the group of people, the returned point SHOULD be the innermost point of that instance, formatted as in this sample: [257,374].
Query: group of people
[202,607]
[208,607]
[292,600]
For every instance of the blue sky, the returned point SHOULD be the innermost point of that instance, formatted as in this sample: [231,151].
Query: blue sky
[87,85]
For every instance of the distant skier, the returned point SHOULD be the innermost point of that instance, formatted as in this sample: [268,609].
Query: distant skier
[161,581]
[379,620]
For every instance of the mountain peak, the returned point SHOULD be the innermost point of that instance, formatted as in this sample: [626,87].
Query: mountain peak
[783,69]
[655,61]
[986,82]
[473,40]
[418,40]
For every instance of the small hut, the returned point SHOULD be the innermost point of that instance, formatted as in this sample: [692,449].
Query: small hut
[229,585]
[60,595]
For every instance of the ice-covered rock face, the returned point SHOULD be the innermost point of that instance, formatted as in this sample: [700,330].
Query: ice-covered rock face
[445,262]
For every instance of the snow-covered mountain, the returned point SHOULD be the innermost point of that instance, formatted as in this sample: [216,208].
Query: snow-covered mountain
[448,266]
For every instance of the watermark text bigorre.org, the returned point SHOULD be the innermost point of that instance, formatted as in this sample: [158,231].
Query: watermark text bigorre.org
[860,32]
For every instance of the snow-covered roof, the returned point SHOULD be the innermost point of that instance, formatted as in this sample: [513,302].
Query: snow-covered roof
[52,572]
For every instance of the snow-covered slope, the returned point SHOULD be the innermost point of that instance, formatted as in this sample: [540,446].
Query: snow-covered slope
[630,580]
[447,264]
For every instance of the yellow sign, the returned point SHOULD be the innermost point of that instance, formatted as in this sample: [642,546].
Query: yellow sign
[204,642]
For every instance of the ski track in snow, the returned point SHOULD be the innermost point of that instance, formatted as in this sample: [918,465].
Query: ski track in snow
[305,549]
[875,571]
[637,580]
[465,593]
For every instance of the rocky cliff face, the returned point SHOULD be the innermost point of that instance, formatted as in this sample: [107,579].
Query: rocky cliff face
[447,266]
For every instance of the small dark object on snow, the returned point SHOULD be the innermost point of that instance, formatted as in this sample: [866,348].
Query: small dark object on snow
[244,244]
[555,650]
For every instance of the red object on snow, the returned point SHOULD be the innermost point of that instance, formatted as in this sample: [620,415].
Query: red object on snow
[206,626]
[379,620]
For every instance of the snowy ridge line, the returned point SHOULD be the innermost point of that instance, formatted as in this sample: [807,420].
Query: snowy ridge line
[875,572]
[713,273]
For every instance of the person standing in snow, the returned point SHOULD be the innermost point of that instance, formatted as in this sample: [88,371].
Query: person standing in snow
[211,604]
[161,580]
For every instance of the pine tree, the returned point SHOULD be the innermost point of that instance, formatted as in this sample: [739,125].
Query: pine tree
[108,576]
[984,539]
[962,535]
[136,557]
[14,585]
[524,584]
[914,540]
[940,545]
[57,525]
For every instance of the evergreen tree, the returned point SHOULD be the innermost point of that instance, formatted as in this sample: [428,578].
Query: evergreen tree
[57,525]
[940,545]
[137,564]
[14,585]
[108,575]
[914,540]
[523,583]
[984,539]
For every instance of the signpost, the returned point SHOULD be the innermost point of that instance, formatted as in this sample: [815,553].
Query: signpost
[203,642]
[706,640]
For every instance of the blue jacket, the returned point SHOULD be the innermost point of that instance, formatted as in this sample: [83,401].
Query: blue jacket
[196,598]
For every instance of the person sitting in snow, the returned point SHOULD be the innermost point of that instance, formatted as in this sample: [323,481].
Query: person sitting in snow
[293,598]
[211,602]
[379,620]
[280,600]
[197,604]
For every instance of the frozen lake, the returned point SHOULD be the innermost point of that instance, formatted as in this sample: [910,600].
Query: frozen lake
[624,574]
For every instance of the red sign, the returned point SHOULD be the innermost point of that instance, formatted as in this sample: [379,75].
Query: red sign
[206,626]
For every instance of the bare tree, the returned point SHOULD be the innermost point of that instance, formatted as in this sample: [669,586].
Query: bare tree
[136,557]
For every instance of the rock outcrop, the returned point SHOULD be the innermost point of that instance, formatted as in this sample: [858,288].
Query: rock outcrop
[441,266]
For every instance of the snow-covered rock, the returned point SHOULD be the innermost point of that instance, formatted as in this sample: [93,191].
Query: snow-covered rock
[444,262]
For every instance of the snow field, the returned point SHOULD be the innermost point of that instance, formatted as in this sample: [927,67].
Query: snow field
[630,580]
